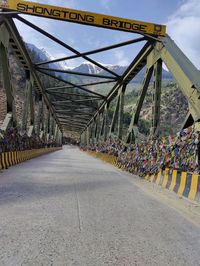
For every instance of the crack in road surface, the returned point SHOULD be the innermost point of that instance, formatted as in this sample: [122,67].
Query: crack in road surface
[78,209]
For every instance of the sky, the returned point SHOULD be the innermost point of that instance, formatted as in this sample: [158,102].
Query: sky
[182,18]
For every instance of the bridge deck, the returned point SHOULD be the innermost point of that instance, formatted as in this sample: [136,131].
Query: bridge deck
[67,208]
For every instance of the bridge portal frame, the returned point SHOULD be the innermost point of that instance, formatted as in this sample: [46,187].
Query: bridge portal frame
[75,112]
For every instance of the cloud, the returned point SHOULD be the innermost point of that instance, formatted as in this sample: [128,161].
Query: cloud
[120,58]
[68,3]
[30,35]
[105,4]
[184,27]
[50,26]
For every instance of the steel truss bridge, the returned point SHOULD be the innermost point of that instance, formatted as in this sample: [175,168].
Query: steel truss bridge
[86,112]
[68,208]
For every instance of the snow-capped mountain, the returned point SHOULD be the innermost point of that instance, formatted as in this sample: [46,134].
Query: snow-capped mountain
[89,68]
[85,67]
[44,56]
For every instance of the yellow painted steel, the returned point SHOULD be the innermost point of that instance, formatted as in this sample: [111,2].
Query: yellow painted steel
[152,178]
[1,167]
[83,17]
[19,157]
[194,182]
[158,177]
[7,159]
[165,180]
[3,160]
[173,183]
[182,184]
[15,154]
[10,158]
[13,157]
[193,187]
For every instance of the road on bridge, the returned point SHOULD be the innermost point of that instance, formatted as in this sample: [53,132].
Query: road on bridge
[67,208]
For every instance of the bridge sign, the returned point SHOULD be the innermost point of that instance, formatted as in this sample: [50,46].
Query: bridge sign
[83,17]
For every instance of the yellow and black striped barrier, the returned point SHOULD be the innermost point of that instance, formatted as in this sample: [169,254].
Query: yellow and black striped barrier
[183,183]
[8,159]
[104,157]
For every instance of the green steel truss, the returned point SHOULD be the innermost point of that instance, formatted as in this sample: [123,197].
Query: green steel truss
[74,107]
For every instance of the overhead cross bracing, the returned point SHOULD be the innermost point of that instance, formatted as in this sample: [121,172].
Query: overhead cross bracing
[76,106]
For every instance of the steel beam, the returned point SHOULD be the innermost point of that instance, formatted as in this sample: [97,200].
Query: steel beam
[84,106]
[132,130]
[39,115]
[134,68]
[121,112]
[78,118]
[189,121]
[7,84]
[156,97]
[68,122]
[103,49]
[106,127]
[47,125]
[96,130]
[115,115]
[72,121]
[75,86]
[6,77]
[82,85]
[185,73]
[77,16]
[26,103]
[73,126]
[68,47]
[81,100]
[142,95]
[74,73]
[26,61]
[70,100]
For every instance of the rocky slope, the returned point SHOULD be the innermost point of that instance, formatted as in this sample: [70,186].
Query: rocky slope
[18,79]
[87,67]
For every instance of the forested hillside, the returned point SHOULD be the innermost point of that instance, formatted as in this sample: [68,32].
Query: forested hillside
[173,104]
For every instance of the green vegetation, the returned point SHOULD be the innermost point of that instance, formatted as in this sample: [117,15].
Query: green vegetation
[173,108]
[173,104]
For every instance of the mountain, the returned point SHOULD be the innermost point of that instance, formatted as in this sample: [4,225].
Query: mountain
[87,67]
[173,103]
[43,56]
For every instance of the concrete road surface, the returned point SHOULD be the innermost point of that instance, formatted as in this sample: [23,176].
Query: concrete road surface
[67,208]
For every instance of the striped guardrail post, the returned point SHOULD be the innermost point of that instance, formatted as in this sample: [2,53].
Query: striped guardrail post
[1,166]
[10,158]
[182,183]
[3,160]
